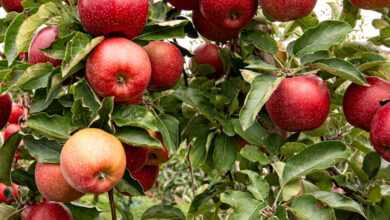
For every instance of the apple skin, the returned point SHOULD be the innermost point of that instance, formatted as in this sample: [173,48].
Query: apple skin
[282,10]
[93,161]
[209,54]
[147,176]
[5,109]
[300,103]
[52,184]
[17,113]
[380,132]
[138,157]
[113,17]
[229,14]
[361,102]
[10,130]
[42,40]
[119,67]
[12,5]
[371,4]
[47,210]
[211,31]
[184,4]
[167,64]
[14,189]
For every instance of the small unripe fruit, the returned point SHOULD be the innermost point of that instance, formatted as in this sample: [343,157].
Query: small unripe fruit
[10,130]
[17,114]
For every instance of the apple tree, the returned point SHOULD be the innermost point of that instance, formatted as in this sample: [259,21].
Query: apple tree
[193,109]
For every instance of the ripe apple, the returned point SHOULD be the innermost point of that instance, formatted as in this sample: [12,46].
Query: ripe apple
[167,64]
[380,132]
[8,194]
[119,67]
[300,103]
[114,17]
[138,157]
[47,211]
[93,161]
[52,184]
[211,31]
[12,5]
[42,40]
[282,10]
[184,4]
[147,176]
[10,130]
[229,14]
[361,102]
[5,109]
[209,54]
[371,4]
[17,114]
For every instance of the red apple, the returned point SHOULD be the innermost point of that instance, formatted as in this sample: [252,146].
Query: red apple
[147,176]
[52,184]
[209,54]
[300,103]
[211,31]
[119,67]
[8,194]
[371,4]
[184,4]
[47,211]
[138,157]
[5,109]
[114,17]
[229,14]
[93,161]
[42,40]
[380,132]
[12,5]
[167,64]
[10,130]
[282,10]
[361,102]
[17,114]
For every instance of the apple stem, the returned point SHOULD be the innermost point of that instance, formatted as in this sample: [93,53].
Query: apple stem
[112,204]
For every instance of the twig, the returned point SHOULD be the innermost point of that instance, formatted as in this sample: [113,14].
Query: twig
[112,204]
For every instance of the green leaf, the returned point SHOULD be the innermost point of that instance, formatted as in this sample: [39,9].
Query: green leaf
[224,153]
[43,150]
[58,47]
[261,90]
[200,203]
[8,212]
[31,24]
[244,205]
[338,201]
[316,157]
[10,48]
[259,187]
[201,101]
[350,14]
[7,152]
[308,208]
[51,126]
[256,64]
[163,212]
[372,164]
[342,69]
[169,129]
[322,37]
[164,30]
[35,77]
[83,212]
[255,134]
[137,137]
[129,186]
[104,115]
[82,91]
[254,154]
[136,116]
[77,49]
[260,40]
